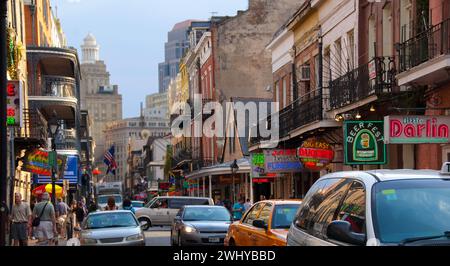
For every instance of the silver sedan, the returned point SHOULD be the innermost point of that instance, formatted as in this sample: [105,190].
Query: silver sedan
[200,225]
[111,228]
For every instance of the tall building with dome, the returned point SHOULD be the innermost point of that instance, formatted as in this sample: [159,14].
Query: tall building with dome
[98,95]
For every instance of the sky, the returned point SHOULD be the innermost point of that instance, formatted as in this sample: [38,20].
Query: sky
[131,35]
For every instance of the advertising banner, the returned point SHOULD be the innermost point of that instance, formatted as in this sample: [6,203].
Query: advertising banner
[282,161]
[364,143]
[315,154]
[14,103]
[416,129]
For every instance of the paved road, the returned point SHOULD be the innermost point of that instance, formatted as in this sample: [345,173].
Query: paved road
[157,236]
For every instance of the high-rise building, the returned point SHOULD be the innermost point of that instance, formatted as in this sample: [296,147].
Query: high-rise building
[176,45]
[98,96]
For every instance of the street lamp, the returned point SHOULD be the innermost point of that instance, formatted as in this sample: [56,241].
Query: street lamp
[53,127]
[234,168]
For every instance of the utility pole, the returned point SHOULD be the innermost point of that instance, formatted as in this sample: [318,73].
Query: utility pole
[3,133]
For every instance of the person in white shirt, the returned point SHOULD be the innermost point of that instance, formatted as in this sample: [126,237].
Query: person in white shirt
[247,205]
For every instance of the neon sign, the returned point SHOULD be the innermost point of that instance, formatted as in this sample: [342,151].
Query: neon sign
[315,154]
[13,102]
[416,129]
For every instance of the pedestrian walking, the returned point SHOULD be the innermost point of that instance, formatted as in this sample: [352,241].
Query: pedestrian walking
[46,230]
[127,205]
[80,214]
[111,206]
[62,210]
[247,205]
[238,209]
[21,217]
[71,219]
[92,206]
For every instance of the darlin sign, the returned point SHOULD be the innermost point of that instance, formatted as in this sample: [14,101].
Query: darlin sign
[417,129]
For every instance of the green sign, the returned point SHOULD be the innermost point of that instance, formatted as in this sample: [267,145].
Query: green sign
[52,159]
[364,143]
[185,184]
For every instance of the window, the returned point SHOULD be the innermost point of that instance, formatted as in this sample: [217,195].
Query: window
[320,205]
[338,53]
[253,214]
[353,208]
[284,92]
[264,215]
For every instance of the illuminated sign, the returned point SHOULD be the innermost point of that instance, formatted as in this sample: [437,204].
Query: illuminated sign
[164,186]
[282,161]
[258,162]
[315,154]
[416,129]
[364,143]
[13,104]
[262,180]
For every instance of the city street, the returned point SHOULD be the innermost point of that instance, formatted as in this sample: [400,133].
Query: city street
[157,236]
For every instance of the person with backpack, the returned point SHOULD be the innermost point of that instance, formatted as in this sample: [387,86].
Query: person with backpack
[45,220]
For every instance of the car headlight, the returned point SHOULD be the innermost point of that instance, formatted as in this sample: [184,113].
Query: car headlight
[88,241]
[189,229]
[135,237]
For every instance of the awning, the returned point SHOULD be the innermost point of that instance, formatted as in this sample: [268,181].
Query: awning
[156,163]
[221,169]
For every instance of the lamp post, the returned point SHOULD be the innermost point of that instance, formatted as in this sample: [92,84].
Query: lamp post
[53,127]
[234,168]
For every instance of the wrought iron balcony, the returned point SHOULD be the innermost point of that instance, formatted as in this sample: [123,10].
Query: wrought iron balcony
[66,139]
[302,112]
[34,126]
[57,86]
[426,45]
[375,78]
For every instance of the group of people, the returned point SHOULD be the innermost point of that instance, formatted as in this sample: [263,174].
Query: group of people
[54,221]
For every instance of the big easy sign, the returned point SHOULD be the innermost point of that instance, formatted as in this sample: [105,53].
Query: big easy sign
[416,129]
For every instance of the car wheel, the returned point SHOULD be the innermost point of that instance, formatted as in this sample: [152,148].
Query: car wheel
[145,223]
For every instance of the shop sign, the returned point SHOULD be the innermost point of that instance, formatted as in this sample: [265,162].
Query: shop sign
[258,164]
[416,129]
[315,154]
[37,162]
[71,170]
[364,143]
[372,69]
[14,104]
[262,180]
[282,161]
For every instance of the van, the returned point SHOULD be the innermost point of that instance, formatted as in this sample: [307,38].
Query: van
[162,210]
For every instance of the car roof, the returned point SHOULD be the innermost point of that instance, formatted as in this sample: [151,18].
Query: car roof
[182,197]
[387,175]
[109,212]
[282,201]
[203,206]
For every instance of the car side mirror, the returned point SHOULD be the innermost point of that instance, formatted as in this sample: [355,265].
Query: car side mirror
[342,231]
[260,224]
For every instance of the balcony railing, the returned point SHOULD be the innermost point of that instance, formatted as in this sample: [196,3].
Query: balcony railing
[34,126]
[59,87]
[374,78]
[66,139]
[425,46]
[302,112]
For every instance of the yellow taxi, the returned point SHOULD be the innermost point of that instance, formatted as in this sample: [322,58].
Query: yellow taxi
[266,223]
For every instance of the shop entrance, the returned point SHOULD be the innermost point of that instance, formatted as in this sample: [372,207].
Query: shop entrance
[261,189]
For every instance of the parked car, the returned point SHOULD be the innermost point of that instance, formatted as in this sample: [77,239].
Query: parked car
[162,210]
[379,207]
[111,228]
[200,225]
[266,223]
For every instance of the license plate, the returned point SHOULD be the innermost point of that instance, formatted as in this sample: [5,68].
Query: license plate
[214,240]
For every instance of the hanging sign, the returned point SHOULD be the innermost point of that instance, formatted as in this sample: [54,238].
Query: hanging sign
[416,129]
[315,154]
[258,162]
[364,143]
[282,161]
[14,104]
[37,162]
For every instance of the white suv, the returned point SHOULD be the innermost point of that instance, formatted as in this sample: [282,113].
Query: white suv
[378,207]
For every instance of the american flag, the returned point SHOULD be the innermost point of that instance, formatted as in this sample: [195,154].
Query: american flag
[110,161]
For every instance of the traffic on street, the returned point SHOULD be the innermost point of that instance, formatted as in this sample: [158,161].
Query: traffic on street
[218,124]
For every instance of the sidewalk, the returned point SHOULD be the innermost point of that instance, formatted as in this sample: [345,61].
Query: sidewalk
[34,243]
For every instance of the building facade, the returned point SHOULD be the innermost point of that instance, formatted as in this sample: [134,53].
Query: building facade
[98,96]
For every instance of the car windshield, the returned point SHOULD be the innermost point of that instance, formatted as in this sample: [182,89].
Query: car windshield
[284,215]
[206,214]
[104,199]
[110,220]
[406,209]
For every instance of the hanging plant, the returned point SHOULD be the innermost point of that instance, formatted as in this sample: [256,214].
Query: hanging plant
[14,54]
